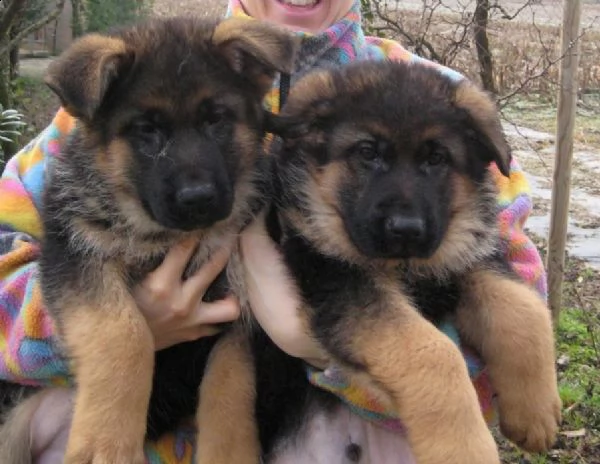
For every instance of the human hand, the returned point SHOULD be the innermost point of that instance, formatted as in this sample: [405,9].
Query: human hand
[274,298]
[173,307]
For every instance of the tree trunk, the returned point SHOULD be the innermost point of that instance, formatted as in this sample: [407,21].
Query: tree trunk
[7,149]
[5,93]
[77,26]
[14,60]
[14,63]
[480,25]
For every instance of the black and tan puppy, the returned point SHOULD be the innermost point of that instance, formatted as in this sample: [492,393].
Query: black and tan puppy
[387,211]
[168,145]
[388,208]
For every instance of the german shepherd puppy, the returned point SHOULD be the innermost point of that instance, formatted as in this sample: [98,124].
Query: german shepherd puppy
[387,213]
[168,146]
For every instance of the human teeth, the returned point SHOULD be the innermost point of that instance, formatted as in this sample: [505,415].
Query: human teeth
[300,2]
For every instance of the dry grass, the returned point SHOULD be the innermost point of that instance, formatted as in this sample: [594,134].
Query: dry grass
[526,54]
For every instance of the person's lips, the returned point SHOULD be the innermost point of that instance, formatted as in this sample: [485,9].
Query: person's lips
[299,3]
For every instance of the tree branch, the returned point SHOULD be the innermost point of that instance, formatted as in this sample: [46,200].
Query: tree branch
[34,26]
[10,13]
[420,43]
[504,100]
[505,14]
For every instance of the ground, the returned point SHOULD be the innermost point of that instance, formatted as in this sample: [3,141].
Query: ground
[529,125]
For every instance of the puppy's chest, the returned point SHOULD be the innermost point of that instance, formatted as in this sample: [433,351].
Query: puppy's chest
[144,256]
[332,286]
[433,298]
[327,284]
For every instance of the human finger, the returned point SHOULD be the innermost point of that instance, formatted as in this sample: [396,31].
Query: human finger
[217,312]
[169,273]
[196,285]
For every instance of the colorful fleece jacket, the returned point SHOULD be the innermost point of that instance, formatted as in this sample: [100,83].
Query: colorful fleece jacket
[28,352]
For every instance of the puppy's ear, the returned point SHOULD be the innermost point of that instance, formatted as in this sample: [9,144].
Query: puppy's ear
[485,122]
[82,75]
[255,49]
[287,127]
[291,125]
[308,109]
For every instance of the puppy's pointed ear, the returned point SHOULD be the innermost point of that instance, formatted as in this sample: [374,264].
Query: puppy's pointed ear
[287,127]
[309,107]
[255,49]
[82,75]
[486,125]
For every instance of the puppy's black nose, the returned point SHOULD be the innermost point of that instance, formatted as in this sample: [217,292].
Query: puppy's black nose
[196,195]
[403,227]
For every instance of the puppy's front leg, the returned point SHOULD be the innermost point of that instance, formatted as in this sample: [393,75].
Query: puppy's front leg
[426,377]
[113,353]
[509,324]
[226,419]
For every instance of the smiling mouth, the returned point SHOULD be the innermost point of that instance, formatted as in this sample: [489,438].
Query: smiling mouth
[299,3]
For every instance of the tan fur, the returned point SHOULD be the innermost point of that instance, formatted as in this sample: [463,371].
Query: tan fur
[114,162]
[322,191]
[227,430]
[460,249]
[316,86]
[244,139]
[239,35]
[426,377]
[107,52]
[114,376]
[511,327]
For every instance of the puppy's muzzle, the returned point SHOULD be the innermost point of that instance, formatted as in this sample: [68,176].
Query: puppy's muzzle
[196,197]
[404,228]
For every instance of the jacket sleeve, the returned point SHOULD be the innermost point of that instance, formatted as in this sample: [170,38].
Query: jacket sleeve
[29,352]
[514,207]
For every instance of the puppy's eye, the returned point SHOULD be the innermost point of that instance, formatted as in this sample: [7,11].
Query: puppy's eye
[144,127]
[218,114]
[437,157]
[150,123]
[367,151]
[212,113]
[436,154]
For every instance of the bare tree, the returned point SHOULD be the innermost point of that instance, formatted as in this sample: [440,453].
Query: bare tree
[12,13]
[453,32]
[428,31]
[482,44]
[77,23]
[13,29]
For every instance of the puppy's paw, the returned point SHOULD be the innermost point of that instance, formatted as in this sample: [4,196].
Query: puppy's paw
[101,450]
[458,442]
[531,417]
[473,448]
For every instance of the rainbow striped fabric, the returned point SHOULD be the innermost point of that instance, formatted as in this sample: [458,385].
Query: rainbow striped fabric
[29,353]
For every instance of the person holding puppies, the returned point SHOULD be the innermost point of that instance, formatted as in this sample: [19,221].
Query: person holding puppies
[331,35]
